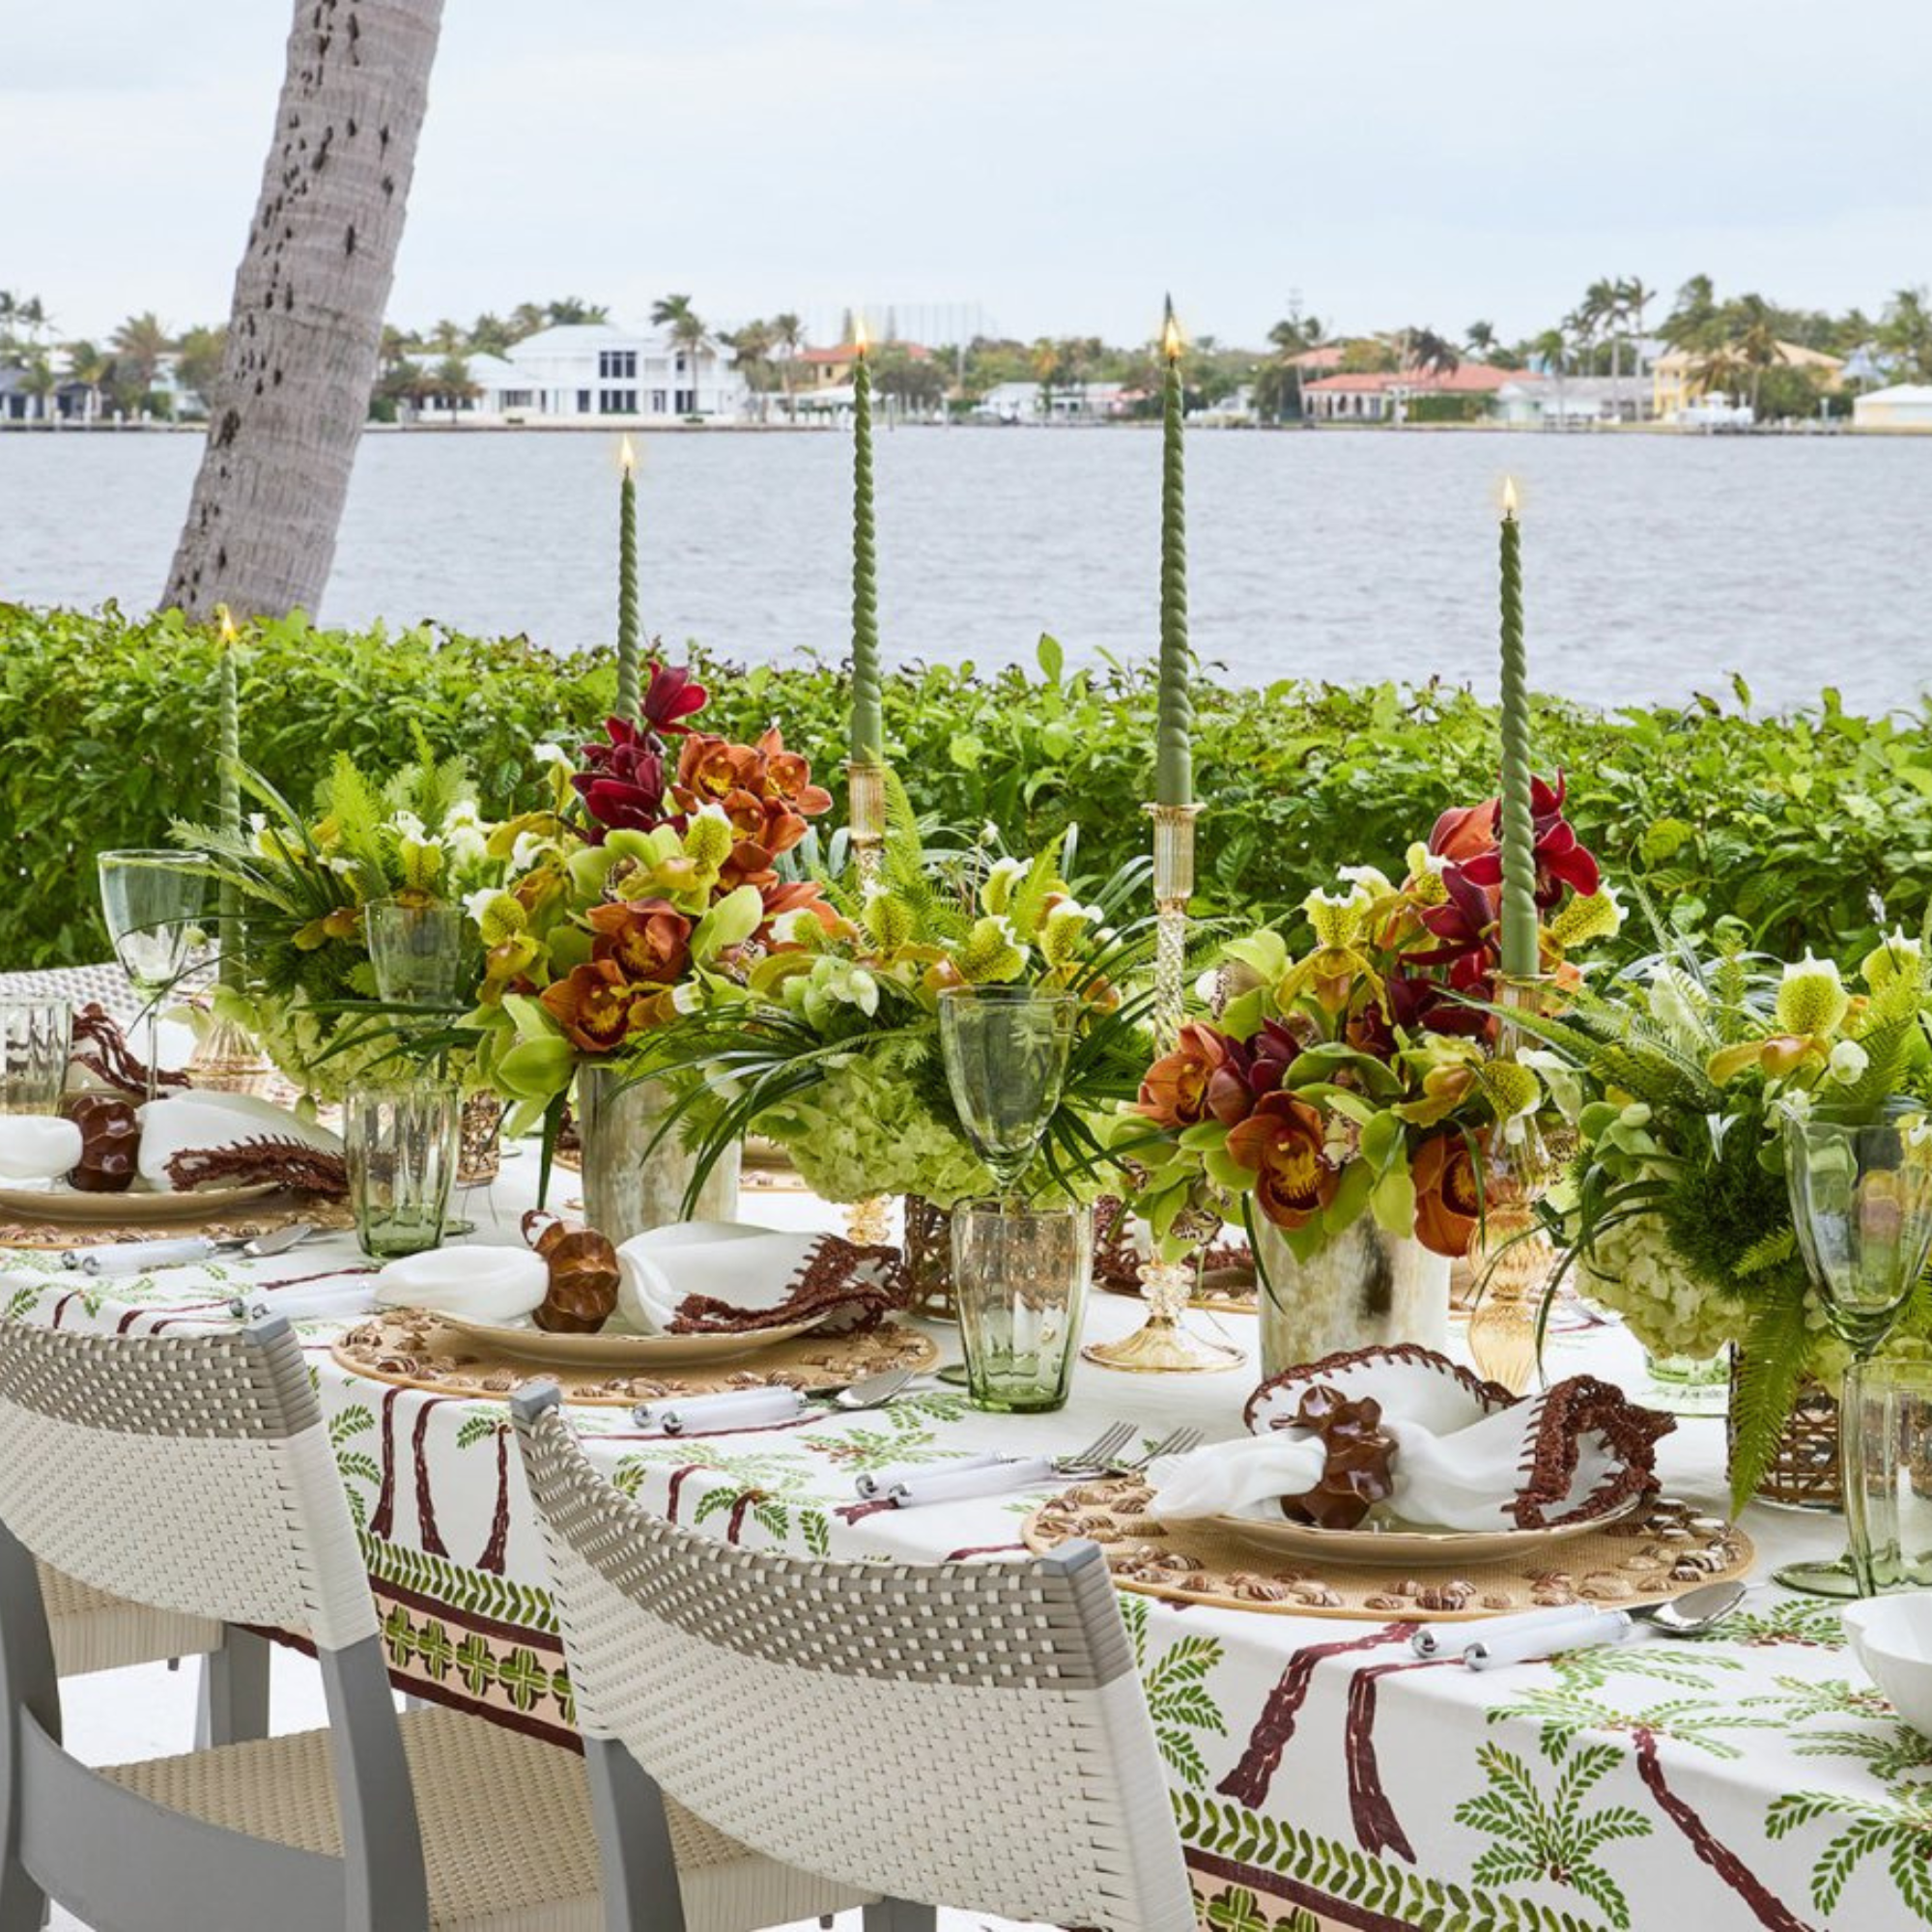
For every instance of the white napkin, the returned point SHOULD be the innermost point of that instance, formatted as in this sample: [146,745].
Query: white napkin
[480,1284]
[204,1119]
[36,1147]
[722,1277]
[1468,1470]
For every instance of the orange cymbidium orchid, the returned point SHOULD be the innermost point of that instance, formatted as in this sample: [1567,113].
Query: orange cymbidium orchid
[1284,1144]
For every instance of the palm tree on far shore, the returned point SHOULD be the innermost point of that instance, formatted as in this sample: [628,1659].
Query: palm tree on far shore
[787,336]
[40,381]
[687,331]
[139,345]
[88,364]
[1481,338]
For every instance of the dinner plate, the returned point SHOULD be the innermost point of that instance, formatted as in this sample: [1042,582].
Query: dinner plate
[1405,1544]
[135,1208]
[618,1348]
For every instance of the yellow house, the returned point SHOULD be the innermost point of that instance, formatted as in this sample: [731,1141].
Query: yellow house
[1674,381]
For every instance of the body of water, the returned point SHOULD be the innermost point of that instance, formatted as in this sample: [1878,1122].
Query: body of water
[1656,565]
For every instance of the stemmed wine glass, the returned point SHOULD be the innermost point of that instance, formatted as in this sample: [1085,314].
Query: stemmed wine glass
[1862,1205]
[1020,1275]
[153,903]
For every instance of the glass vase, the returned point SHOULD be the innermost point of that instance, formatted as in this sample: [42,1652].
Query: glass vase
[1689,1384]
[631,1185]
[1020,1280]
[399,1146]
[1365,1289]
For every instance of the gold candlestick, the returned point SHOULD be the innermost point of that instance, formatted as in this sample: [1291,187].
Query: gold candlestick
[1160,1345]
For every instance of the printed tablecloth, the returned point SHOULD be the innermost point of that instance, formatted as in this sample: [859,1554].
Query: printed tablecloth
[1753,1778]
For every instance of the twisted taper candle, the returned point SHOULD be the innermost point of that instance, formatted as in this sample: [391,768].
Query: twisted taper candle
[867,744]
[228,802]
[1521,955]
[1173,726]
[630,685]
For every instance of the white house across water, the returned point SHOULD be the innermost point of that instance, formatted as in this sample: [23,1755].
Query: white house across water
[598,372]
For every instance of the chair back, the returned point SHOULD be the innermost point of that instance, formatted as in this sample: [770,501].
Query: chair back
[970,1735]
[190,1474]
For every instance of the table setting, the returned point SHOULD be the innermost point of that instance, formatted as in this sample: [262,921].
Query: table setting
[1446,1615]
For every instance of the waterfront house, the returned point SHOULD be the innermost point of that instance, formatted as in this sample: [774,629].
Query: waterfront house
[1026,402]
[1903,406]
[831,367]
[1401,395]
[600,373]
[1677,384]
[1529,401]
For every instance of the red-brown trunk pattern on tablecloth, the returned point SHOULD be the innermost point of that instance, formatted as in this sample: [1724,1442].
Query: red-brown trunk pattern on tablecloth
[1249,1780]
[1771,1910]
[734,1523]
[675,1491]
[1376,1828]
[497,1548]
[382,1518]
[426,1529]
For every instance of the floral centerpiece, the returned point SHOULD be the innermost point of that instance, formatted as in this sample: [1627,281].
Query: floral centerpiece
[829,1042]
[1348,1089]
[1677,1213]
[305,883]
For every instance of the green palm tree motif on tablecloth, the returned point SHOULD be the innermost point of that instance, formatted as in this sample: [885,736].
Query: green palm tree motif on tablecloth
[353,1464]
[488,1426]
[1805,1621]
[1890,1753]
[1591,1669]
[1567,1711]
[22,1303]
[1897,1827]
[1177,1695]
[905,1436]
[1553,1838]
[773,1490]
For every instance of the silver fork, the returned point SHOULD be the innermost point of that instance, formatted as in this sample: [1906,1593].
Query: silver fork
[1100,1457]
[1177,1442]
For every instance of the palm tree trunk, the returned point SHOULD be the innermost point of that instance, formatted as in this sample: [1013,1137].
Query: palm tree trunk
[309,296]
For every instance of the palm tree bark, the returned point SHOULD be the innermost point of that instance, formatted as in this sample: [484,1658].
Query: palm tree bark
[307,317]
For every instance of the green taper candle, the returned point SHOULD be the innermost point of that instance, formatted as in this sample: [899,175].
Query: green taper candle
[228,802]
[1174,725]
[868,742]
[629,686]
[1520,956]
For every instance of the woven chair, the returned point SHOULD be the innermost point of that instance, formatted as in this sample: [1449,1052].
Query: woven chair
[79,986]
[193,1474]
[969,1734]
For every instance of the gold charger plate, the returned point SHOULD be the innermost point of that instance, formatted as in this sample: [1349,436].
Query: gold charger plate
[617,1348]
[1662,1546]
[410,1348]
[1404,1546]
[72,1207]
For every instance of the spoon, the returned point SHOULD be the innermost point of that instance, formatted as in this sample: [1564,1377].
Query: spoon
[138,1256]
[869,1391]
[1691,1614]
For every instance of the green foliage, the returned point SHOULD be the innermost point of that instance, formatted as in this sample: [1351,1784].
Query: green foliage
[1787,825]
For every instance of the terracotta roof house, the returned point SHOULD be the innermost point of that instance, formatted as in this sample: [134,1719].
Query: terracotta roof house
[1383,395]
[827,367]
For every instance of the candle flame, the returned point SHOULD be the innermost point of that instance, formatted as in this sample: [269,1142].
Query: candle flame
[861,341]
[227,624]
[627,457]
[1169,338]
[1509,497]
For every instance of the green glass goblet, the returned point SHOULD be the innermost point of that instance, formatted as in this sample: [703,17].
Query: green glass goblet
[1862,1207]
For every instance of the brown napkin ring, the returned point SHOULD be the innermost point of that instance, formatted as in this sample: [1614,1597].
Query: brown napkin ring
[1359,1470]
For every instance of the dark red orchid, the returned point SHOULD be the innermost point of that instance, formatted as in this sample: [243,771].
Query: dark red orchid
[621,782]
[1253,1068]
[670,696]
[1464,925]
[1468,837]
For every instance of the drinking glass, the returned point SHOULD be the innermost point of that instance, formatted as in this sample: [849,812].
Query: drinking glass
[417,951]
[1862,1205]
[1888,1492]
[1005,1051]
[152,902]
[401,1149]
[1019,1279]
[36,1037]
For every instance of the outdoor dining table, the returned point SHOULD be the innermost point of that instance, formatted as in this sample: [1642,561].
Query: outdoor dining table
[1321,1771]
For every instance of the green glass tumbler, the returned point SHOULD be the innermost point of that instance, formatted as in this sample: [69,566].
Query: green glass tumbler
[1019,1280]
[401,1148]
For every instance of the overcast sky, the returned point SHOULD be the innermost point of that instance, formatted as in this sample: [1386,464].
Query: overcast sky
[1058,163]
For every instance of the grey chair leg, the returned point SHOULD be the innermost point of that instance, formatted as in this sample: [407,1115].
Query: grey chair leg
[234,1704]
[639,1868]
[899,1915]
[27,1689]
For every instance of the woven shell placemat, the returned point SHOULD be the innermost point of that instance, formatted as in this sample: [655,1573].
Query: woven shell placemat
[1661,1548]
[236,1223]
[412,1350]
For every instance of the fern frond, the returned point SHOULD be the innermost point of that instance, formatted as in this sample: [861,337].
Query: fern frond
[1771,1366]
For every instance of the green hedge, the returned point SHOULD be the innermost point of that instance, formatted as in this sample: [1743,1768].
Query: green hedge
[1788,824]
